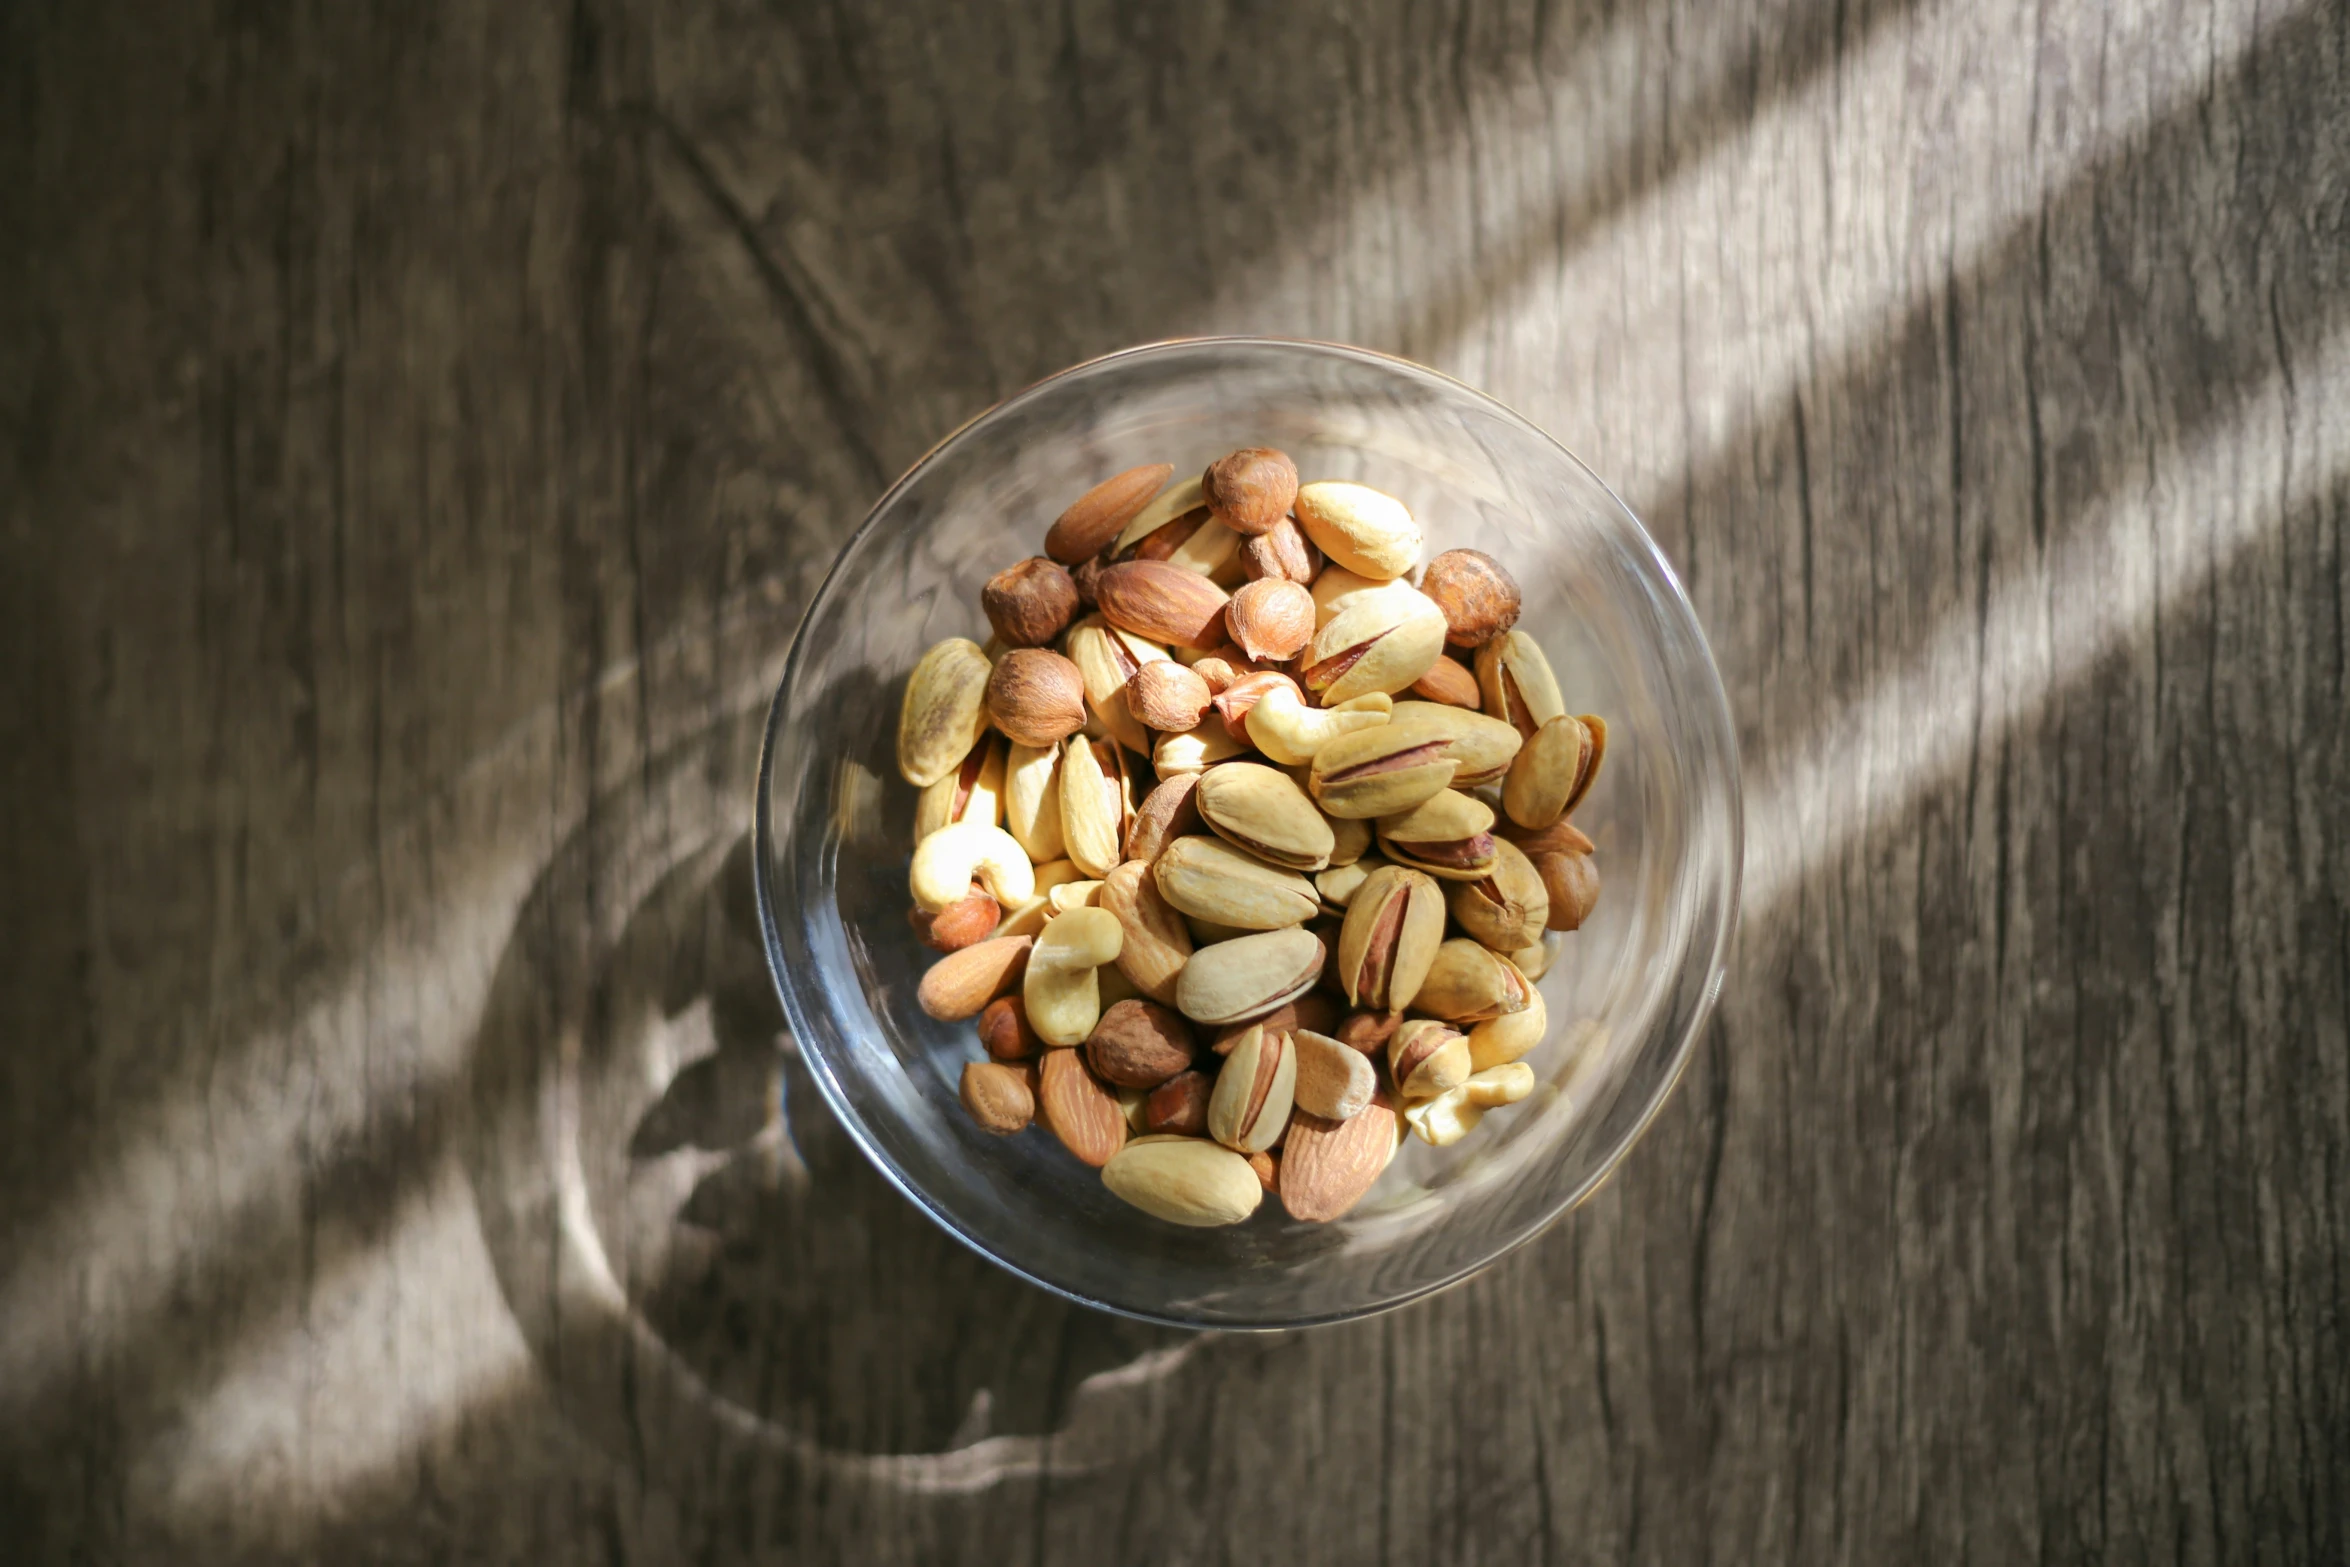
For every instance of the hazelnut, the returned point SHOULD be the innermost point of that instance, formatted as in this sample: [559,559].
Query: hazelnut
[1140,1044]
[1083,575]
[1004,1030]
[1479,598]
[1167,697]
[1271,618]
[1097,516]
[1036,696]
[1029,603]
[1250,490]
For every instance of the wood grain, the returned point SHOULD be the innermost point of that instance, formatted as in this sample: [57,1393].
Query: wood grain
[425,422]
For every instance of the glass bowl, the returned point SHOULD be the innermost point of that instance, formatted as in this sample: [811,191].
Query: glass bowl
[1626,994]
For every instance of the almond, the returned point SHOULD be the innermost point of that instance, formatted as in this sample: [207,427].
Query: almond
[1369,1032]
[1449,681]
[1083,1114]
[1001,1098]
[1036,696]
[1160,602]
[1166,814]
[1167,697]
[1101,513]
[1327,1166]
[958,925]
[1180,1104]
[1272,618]
[1140,1044]
[961,983]
[1251,489]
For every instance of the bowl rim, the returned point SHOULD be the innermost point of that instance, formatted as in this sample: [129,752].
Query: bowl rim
[764,844]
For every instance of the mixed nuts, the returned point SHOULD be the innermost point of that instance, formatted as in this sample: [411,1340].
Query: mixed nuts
[1244,838]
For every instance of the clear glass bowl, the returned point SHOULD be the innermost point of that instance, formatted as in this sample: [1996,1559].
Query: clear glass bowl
[1627,994]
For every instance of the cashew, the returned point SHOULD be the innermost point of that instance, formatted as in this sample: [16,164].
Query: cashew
[1062,989]
[1290,732]
[1026,919]
[1454,1114]
[947,860]
[1074,895]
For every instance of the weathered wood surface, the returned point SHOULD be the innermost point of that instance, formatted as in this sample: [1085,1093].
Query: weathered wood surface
[424,421]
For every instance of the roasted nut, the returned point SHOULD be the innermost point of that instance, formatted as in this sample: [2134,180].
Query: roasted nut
[1139,1044]
[1166,696]
[1282,550]
[1184,1180]
[1316,1010]
[1093,813]
[1157,943]
[1517,683]
[1004,1030]
[1249,975]
[972,792]
[1534,959]
[1484,747]
[1334,1081]
[1350,838]
[1179,1106]
[1254,1092]
[1327,1166]
[1368,1032]
[1176,501]
[1216,670]
[1373,772]
[1469,982]
[1078,1109]
[1061,991]
[1036,696]
[1449,681]
[1267,1168]
[1029,603]
[950,859]
[1337,886]
[1101,513]
[1108,658]
[1250,490]
[1239,699]
[1506,907]
[1285,729]
[1262,810]
[1393,925]
[1210,879]
[944,712]
[1166,813]
[1194,751]
[1453,1115]
[1271,618]
[1195,541]
[1026,918]
[1000,1097]
[1115,986]
[1334,587]
[1074,895]
[1369,533]
[1084,575]
[1560,837]
[1448,835]
[1425,1058]
[1479,598]
[1552,772]
[960,984]
[1163,602]
[1206,933]
[1572,881]
[1379,639]
[959,924]
[1032,801]
[1500,1040]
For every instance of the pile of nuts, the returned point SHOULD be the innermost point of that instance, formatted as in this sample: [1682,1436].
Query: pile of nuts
[1208,834]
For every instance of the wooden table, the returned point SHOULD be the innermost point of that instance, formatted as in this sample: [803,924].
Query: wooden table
[424,422]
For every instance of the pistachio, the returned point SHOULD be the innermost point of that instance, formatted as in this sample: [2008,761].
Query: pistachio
[1500,1040]
[1327,1166]
[1184,1180]
[1194,751]
[1000,1097]
[1260,809]
[1166,813]
[1097,516]
[1517,682]
[972,791]
[1004,1030]
[1506,907]
[1248,975]
[959,924]
[1177,500]
[1480,599]
[1282,550]
[1210,878]
[961,984]
[1338,885]
[1163,602]
[944,711]
[1250,489]
[1206,933]
[1367,532]
[1285,729]
[1375,773]
[1448,835]
[1254,1092]
[1157,944]
[1333,1080]
[1469,982]
[1079,1109]
[1534,959]
[947,862]
[1393,925]
[1350,838]
[1168,697]
[1334,587]
[1483,746]
[1271,618]
[1425,1058]
[1453,1115]
[1029,603]
[1553,769]
[1595,727]
[1449,681]
[1179,1105]
[1572,880]
[1108,658]
[1036,696]
[1380,639]
[1139,1044]
[1060,991]
[1032,801]
[1093,817]
[1238,700]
